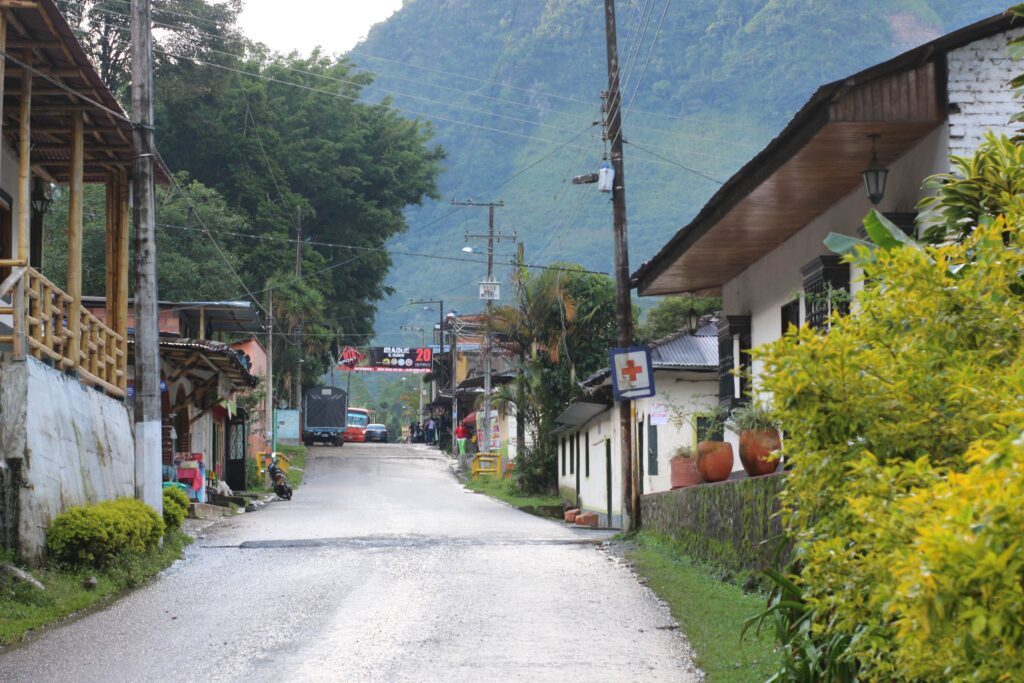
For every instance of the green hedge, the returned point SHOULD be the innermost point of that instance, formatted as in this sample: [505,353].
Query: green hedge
[733,524]
[92,535]
[175,508]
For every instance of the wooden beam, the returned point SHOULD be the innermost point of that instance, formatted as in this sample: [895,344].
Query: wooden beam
[74,268]
[31,44]
[24,169]
[3,62]
[19,4]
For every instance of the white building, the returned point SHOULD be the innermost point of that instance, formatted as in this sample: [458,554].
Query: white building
[758,241]
[589,464]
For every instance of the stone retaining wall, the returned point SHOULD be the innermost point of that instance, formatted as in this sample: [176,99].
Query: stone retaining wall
[733,523]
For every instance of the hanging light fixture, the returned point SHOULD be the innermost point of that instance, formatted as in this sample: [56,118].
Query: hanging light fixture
[41,196]
[692,318]
[875,174]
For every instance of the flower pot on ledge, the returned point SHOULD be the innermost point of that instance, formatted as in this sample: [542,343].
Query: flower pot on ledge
[714,460]
[756,449]
[684,472]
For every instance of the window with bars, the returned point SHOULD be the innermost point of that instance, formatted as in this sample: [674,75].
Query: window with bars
[826,289]
[791,315]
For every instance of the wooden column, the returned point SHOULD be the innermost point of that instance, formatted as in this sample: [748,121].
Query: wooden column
[121,270]
[110,242]
[25,167]
[75,237]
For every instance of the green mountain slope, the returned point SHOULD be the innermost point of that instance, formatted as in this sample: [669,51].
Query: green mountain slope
[513,90]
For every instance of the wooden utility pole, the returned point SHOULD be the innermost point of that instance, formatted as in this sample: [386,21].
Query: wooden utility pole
[521,375]
[299,327]
[623,302]
[271,427]
[147,336]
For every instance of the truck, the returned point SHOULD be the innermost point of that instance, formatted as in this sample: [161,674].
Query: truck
[326,412]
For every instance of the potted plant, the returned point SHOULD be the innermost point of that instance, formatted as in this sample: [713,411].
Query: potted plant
[714,453]
[683,465]
[760,442]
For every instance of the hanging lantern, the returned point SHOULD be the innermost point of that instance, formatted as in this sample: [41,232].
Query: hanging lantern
[605,177]
[875,175]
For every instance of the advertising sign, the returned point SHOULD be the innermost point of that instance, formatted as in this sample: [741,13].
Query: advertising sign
[490,291]
[392,359]
[631,373]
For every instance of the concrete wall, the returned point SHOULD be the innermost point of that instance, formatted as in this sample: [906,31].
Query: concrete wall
[978,97]
[733,523]
[72,444]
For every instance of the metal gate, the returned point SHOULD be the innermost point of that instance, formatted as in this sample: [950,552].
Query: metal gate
[234,471]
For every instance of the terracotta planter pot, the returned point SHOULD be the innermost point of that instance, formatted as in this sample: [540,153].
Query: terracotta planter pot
[714,460]
[684,472]
[756,446]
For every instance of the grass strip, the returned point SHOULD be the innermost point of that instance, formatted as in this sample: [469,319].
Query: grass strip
[504,490]
[23,608]
[710,612]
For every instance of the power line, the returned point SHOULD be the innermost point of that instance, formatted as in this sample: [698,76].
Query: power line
[353,247]
[687,118]
[675,163]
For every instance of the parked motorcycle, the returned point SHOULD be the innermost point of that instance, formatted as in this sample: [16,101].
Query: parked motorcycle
[281,486]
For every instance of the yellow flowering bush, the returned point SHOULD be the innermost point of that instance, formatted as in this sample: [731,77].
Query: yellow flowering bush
[903,545]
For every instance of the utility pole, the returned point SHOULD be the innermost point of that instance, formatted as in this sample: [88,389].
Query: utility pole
[423,343]
[298,327]
[623,302]
[148,424]
[520,280]
[485,427]
[270,372]
[440,362]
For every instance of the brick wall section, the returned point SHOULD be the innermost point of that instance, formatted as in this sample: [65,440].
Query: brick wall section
[979,98]
[732,523]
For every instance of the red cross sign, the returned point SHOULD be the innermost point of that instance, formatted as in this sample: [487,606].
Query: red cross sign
[631,373]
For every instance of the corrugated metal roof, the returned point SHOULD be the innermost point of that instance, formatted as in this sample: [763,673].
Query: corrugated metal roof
[683,350]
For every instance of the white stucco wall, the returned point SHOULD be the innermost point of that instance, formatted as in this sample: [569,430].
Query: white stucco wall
[75,446]
[978,97]
[692,393]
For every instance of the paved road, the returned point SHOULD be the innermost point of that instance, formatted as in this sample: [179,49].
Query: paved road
[382,568]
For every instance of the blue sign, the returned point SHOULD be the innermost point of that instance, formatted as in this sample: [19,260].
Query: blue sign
[632,373]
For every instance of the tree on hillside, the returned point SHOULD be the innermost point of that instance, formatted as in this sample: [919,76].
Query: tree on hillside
[294,138]
[194,28]
[672,314]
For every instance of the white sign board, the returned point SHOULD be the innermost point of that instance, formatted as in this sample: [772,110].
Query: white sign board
[490,291]
[657,413]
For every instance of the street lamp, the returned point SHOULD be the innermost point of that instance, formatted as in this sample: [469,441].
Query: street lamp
[875,174]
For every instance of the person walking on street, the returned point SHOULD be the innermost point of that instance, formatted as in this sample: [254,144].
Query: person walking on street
[430,431]
[461,434]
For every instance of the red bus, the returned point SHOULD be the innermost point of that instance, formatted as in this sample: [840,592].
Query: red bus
[355,430]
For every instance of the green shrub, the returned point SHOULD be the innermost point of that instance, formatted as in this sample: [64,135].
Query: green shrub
[904,530]
[93,535]
[175,508]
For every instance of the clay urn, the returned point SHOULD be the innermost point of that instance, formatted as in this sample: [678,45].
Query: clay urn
[714,460]
[684,472]
[756,448]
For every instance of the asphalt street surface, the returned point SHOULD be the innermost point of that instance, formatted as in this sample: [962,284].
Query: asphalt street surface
[381,568]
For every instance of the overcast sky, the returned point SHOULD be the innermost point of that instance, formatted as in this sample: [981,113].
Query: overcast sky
[335,25]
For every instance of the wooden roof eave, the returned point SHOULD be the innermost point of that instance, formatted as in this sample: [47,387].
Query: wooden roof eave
[669,271]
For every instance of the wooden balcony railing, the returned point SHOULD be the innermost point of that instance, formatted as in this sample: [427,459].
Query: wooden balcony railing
[53,328]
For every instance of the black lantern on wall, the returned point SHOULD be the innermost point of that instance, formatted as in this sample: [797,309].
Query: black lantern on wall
[41,196]
[875,174]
